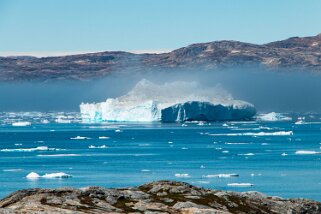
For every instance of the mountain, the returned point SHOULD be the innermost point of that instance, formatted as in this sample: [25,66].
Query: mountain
[293,53]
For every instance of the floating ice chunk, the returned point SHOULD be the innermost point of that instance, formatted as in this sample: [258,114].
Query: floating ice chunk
[103,137]
[59,155]
[222,175]
[201,123]
[118,130]
[39,148]
[56,175]
[280,133]
[240,184]
[184,148]
[225,151]
[307,152]
[170,142]
[62,120]
[97,147]
[80,138]
[145,170]
[182,175]
[45,121]
[33,175]
[21,123]
[273,117]
[284,154]
[246,154]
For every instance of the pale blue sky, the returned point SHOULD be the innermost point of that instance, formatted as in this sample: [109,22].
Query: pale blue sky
[98,25]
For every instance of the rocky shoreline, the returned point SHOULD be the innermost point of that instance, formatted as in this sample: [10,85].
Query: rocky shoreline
[155,197]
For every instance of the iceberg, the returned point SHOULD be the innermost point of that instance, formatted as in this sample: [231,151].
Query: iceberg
[169,102]
[206,111]
[274,117]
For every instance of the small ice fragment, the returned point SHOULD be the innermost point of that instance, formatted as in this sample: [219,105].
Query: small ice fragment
[103,137]
[182,175]
[222,175]
[117,130]
[240,184]
[284,154]
[45,121]
[97,147]
[225,151]
[79,138]
[33,175]
[21,123]
[170,142]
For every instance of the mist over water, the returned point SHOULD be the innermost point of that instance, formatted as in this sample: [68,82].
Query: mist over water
[286,91]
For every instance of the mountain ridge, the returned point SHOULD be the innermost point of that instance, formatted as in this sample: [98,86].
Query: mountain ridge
[301,53]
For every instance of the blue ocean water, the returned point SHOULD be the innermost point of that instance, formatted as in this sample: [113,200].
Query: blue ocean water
[137,153]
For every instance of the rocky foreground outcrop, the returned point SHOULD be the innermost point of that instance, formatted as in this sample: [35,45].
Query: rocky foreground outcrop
[155,197]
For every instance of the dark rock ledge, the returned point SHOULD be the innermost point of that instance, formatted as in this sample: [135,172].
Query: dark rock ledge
[155,197]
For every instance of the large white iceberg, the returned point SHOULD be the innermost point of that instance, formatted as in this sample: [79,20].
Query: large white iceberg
[148,101]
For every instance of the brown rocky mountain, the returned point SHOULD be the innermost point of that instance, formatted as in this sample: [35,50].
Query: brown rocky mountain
[155,197]
[294,53]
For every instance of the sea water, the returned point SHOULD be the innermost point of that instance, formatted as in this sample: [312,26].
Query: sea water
[276,158]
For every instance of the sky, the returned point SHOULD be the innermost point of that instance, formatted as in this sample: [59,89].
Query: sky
[59,27]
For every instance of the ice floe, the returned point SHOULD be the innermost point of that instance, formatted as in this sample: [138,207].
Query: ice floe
[80,138]
[34,175]
[273,117]
[240,184]
[103,137]
[230,175]
[182,175]
[97,147]
[307,152]
[280,133]
[21,123]
[39,148]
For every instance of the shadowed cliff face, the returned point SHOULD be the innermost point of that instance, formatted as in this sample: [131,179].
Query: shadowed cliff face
[162,196]
[293,53]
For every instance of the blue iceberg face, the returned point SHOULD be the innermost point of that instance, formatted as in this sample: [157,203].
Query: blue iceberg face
[206,111]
